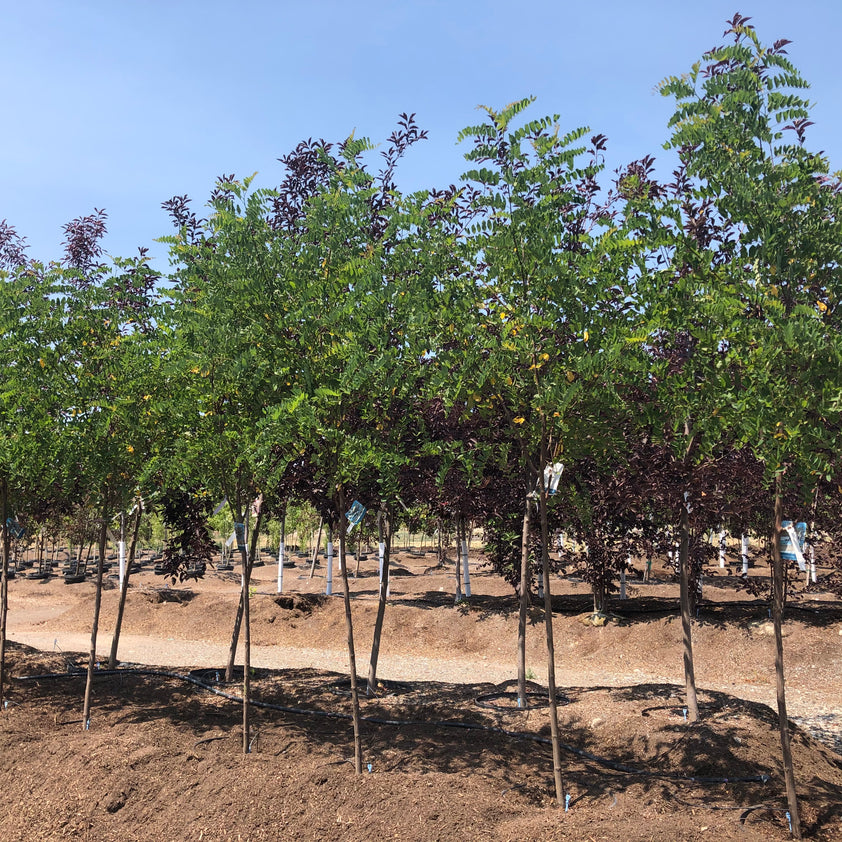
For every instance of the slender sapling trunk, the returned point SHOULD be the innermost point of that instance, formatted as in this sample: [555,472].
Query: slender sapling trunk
[250,553]
[124,584]
[686,625]
[103,538]
[349,624]
[525,579]
[459,528]
[371,688]
[4,585]
[548,620]
[780,685]
[316,549]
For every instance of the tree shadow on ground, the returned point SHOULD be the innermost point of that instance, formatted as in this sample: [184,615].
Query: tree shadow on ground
[629,739]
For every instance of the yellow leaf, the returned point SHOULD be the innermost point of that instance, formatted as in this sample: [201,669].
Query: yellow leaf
[519,420]
[586,336]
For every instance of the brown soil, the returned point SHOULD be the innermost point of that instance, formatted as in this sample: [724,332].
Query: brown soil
[446,754]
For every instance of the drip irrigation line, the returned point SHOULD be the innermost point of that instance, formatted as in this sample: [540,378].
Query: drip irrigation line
[746,808]
[485,700]
[442,723]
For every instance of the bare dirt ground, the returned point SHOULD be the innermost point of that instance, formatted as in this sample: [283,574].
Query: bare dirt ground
[446,755]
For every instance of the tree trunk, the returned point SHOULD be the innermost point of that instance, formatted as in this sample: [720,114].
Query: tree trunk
[316,549]
[780,685]
[548,622]
[359,550]
[103,538]
[525,580]
[686,628]
[4,585]
[371,689]
[349,624]
[459,528]
[235,638]
[249,554]
[238,617]
[598,561]
[124,585]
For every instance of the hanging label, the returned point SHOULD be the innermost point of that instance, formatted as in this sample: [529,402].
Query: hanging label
[792,541]
[15,529]
[354,515]
[240,532]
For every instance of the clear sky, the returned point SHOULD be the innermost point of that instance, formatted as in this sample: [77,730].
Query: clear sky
[120,104]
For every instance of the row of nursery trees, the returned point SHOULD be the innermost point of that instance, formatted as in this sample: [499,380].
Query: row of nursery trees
[674,343]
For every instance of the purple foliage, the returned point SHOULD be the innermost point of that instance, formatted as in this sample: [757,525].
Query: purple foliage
[12,247]
[82,243]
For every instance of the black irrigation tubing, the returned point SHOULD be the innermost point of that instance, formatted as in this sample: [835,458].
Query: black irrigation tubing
[466,726]
[485,700]
[746,808]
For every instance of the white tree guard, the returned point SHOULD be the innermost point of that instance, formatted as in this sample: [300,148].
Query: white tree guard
[281,553]
[466,575]
[329,585]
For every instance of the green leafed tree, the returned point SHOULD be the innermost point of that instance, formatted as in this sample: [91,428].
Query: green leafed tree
[743,116]
[30,410]
[533,322]
[106,318]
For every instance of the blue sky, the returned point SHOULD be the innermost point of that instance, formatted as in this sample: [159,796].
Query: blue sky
[120,105]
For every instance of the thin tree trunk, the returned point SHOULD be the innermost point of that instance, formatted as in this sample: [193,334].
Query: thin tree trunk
[4,585]
[371,689]
[235,638]
[349,623]
[238,617]
[359,550]
[548,621]
[124,588]
[250,552]
[459,528]
[780,685]
[316,549]
[686,627]
[246,659]
[525,578]
[103,538]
